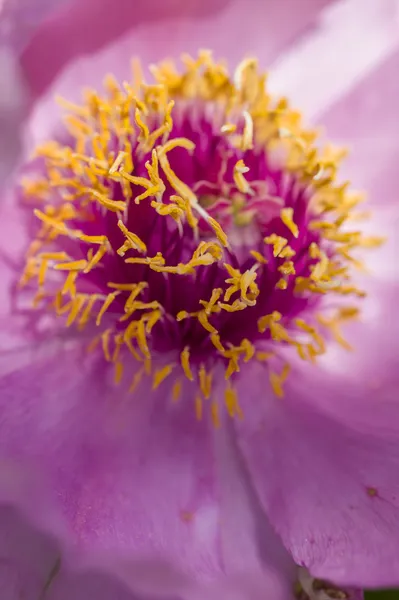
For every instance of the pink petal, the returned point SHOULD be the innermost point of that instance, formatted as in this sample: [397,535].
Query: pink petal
[351,39]
[20,18]
[26,556]
[32,566]
[366,120]
[139,479]
[154,30]
[328,478]
[26,333]
[12,107]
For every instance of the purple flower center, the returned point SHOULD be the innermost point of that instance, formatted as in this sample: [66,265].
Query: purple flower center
[192,224]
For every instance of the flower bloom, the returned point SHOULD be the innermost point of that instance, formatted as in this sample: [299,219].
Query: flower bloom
[181,261]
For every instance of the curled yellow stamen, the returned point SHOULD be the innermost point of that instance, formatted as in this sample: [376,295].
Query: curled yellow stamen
[239,179]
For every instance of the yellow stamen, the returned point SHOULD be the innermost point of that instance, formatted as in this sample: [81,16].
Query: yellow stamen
[203,319]
[264,356]
[247,136]
[259,257]
[231,401]
[87,310]
[93,239]
[141,124]
[69,286]
[107,303]
[239,179]
[117,162]
[77,265]
[220,234]
[112,205]
[118,372]
[77,305]
[107,133]
[105,344]
[282,284]
[198,407]
[95,259]
[176,390]
[215,414]
[287,215]
[179,186]
[228,128]
[287,268]
[142,339]
[232,367]
[205,380]
[160,375]
[210,306]
[133,241]
[277,380]
[185,363]
[277,242]
[137,377]
[215,339]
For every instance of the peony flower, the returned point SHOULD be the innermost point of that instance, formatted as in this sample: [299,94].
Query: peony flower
[197,376]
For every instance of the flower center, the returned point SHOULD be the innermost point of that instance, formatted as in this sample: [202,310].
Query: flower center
[192,225]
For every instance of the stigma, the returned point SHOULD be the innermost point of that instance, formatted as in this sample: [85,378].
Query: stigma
[190,226]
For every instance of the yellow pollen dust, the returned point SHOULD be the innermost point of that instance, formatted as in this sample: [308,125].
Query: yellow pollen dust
[111,133]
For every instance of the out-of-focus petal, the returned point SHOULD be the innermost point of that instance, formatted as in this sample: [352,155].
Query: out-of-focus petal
[351,39]
[27,557]
[23,333]
[328,480]
[32,566]
[366,120]
[12,106]
[91,584]
[19,19]
[156,29]
[139,478]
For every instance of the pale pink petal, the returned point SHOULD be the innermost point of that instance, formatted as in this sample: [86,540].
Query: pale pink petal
[327,479]
[26,557]
[32,566]
[12,108]
[352,38]
[138,478]
[27,332]
[367,121]
[154,30]
[325,460]
[19,19]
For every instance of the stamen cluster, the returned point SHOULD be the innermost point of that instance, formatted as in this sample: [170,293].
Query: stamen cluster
[193,222]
